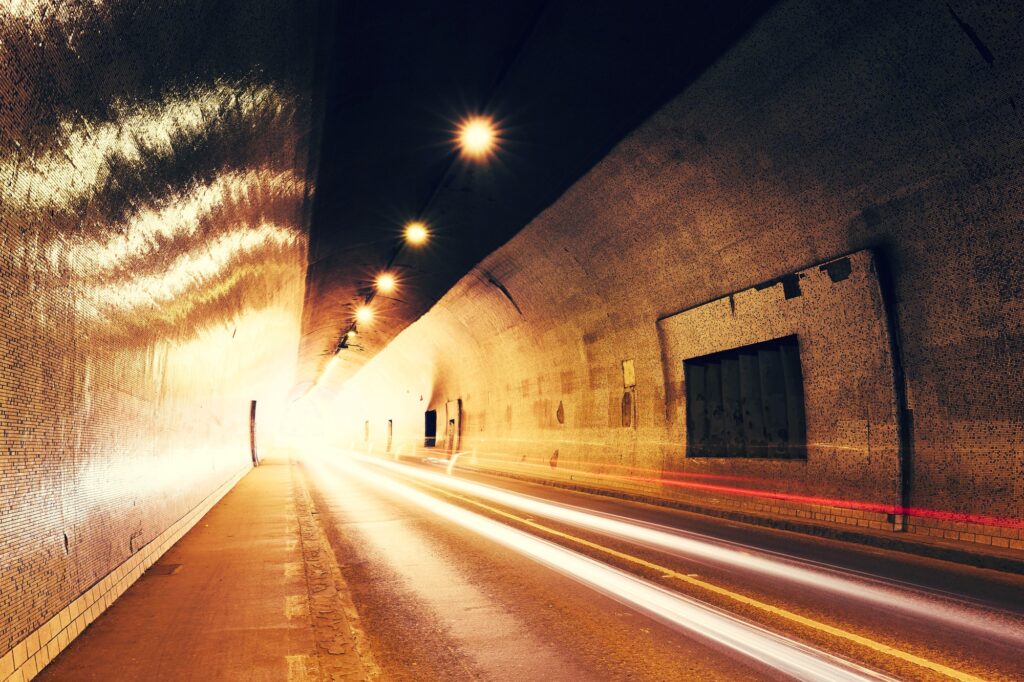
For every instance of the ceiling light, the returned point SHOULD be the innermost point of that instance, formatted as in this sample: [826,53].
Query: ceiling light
[416,233]
[477,137]
[364,314]
[385,282]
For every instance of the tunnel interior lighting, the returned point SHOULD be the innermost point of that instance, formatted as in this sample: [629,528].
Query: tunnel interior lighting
[385,282]
[416,233]
[364,314]
[477,137]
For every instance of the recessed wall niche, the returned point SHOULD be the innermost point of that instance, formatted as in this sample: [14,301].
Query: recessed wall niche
[837,313]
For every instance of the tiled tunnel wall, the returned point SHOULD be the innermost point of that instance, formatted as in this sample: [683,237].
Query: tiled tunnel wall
[894,130]
[154,165]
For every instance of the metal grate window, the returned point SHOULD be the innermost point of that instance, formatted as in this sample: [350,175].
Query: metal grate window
[746,402]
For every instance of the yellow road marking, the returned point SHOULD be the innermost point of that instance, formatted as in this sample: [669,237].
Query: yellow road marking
[735,596]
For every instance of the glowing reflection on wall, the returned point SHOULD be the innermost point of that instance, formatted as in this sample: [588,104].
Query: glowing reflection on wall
[154,193]
[182,217]
[81,156]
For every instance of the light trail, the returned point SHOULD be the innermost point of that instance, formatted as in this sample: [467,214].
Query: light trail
[674,479]
[788,656]
[729,594]
[950,612]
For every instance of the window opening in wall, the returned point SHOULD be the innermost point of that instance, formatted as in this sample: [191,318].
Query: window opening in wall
[430,428]
[746,402]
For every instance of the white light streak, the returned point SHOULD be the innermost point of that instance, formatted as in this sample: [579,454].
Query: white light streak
[865,589]
[785,655]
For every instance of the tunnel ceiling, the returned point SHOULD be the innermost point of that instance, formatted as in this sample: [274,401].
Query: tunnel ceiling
[564,80]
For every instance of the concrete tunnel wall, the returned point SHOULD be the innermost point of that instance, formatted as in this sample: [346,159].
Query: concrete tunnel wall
[153,241]
[891,133]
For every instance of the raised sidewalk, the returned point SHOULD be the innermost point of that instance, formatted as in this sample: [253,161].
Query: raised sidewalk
[253,592]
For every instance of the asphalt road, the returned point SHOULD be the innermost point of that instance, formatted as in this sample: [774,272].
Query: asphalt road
[468,576]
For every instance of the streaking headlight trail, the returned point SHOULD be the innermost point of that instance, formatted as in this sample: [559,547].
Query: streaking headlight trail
[787,656]
[851,586]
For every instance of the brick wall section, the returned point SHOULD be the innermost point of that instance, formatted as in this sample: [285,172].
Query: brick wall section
[830,129]
[153,201]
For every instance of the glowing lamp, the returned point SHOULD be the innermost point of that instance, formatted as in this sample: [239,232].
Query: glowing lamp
[416,233]
[364,314]
[477,137]
[385,282]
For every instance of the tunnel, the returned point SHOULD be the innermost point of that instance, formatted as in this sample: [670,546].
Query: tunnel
[511,341]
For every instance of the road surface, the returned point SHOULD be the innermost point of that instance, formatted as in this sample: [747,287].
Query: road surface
[461,575]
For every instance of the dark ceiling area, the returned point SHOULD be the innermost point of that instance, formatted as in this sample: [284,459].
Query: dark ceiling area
[565,81]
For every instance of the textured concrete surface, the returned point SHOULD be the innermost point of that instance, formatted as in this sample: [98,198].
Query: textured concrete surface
[250,594]
[830,129]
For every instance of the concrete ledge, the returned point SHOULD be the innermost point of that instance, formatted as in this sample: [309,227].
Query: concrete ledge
[1008,561]
[33,653]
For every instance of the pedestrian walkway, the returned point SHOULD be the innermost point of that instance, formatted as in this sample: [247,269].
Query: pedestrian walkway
[253,592]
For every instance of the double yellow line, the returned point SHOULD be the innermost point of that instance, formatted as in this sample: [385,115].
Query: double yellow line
[721,591]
